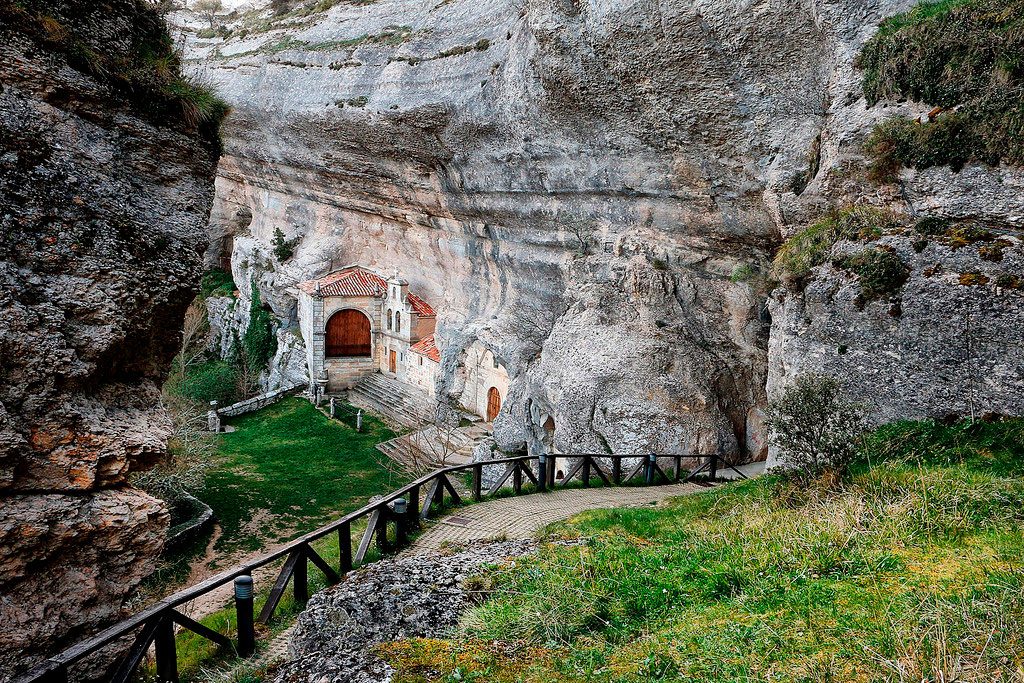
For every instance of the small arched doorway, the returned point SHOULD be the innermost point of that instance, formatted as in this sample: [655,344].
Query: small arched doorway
[348,335]
[493,403]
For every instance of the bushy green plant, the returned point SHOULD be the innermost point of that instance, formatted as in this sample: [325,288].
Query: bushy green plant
[259,343]
[283,249]
[962,54]
[880,272]
[216,282]
[213,380]
[814,425]
[812,246]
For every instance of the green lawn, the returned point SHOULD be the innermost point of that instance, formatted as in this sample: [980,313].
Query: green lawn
[284,471]
[288,469]
[909,569]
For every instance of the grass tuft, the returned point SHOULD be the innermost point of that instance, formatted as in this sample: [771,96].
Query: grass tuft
[812,246]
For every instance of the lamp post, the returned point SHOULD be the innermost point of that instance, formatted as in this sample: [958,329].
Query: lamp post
[401,510]
[243,613]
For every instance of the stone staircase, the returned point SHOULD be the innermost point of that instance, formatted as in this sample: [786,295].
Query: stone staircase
[434,446]
[399,403]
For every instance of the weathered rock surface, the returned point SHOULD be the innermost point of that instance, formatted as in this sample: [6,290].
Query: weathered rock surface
[949,343]
[417,596]
[67,562]
[102,217]
[571,184]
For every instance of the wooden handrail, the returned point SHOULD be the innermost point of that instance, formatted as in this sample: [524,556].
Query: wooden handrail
[158,615]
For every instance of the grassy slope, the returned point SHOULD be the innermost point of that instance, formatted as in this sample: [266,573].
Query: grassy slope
[912,567]
[303,470]
[289,469]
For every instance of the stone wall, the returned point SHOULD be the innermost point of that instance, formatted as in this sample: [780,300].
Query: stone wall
[104,209]
[259,401]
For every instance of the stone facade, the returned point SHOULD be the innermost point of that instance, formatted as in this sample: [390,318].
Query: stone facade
[395,320]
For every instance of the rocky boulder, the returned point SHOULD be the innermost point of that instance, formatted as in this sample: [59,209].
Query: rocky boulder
[106,197]
[405,597]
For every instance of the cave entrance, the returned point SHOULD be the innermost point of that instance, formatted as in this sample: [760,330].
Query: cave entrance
[348,335]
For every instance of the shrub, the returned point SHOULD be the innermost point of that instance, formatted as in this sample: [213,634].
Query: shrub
[259,344]
[283,249]
[880,272]
[963,54]
[211,381]
[811,247]
[814,426]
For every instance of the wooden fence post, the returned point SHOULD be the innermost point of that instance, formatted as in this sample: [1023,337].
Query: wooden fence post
[300,578]
[714,467]
[517,478]
[586,471]
[617,470]
[166,651]
[649,469]
[382,530]
[413,515]
[478,477]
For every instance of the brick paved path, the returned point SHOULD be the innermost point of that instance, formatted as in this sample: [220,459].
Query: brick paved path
[522,516]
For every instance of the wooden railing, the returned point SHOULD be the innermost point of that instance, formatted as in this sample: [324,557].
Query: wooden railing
[394,516]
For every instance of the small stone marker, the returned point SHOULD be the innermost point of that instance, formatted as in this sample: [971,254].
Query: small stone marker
[212,418]
[332,407]
[359,421]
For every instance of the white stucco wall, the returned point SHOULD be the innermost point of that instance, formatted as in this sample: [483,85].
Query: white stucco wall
[422,372]
[481,375]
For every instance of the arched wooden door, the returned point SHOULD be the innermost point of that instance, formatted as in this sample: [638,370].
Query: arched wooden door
[493,404]
[348,335]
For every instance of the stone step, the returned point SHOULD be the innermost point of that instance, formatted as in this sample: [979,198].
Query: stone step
[396,401]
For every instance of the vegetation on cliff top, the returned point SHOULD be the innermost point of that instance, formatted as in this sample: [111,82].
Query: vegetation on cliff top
[964,56]
[910,568]
[812,246]
[140,64]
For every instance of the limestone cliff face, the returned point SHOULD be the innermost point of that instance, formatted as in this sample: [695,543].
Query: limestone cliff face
[949,342]
[575,184]
[103,220]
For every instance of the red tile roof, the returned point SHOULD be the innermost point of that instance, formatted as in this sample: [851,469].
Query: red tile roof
[428,348]
[421,307]
[356,281]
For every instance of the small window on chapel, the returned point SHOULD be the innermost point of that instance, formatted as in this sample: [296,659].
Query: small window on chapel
[421,360]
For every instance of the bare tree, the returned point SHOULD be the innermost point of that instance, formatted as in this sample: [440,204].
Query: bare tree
[208,9]
[195,335]
[584,233]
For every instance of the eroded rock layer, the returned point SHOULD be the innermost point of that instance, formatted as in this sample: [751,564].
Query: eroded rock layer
[103,221]
[590,189]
